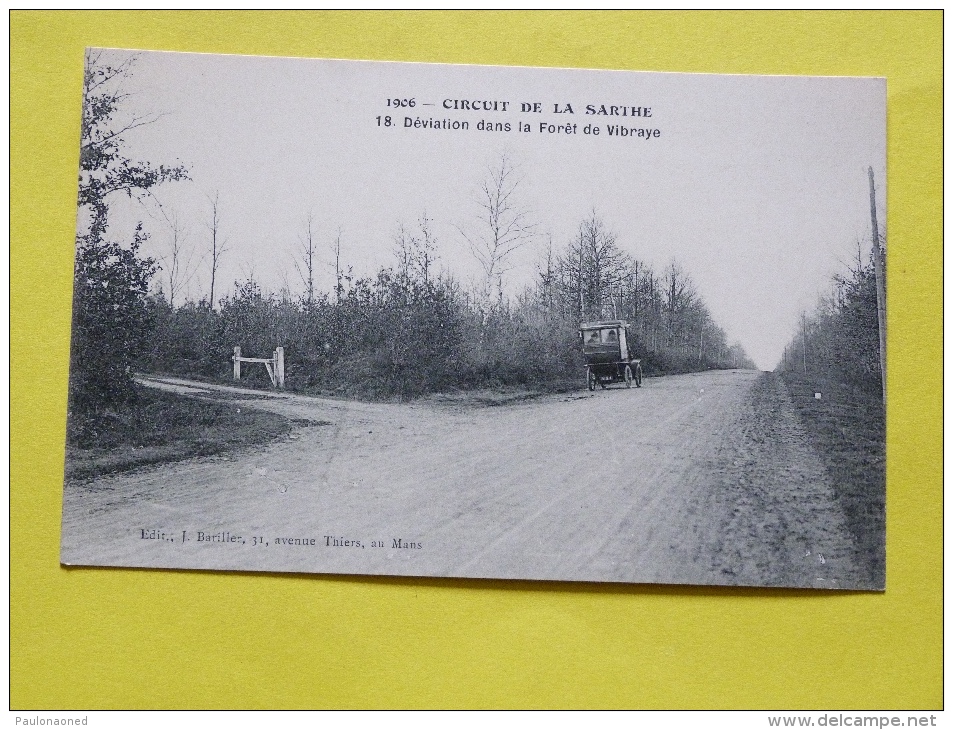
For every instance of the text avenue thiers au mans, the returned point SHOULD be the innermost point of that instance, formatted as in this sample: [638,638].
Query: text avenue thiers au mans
[224,537]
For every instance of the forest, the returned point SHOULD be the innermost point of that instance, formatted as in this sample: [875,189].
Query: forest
[409,331]
[840,338]
[412,328]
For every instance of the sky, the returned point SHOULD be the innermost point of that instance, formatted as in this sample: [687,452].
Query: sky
[756,185]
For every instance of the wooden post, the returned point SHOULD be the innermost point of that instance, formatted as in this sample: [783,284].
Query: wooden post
[881,289]
[280,367]
[237,359]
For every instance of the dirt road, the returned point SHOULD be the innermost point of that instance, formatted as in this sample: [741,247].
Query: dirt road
[704,479]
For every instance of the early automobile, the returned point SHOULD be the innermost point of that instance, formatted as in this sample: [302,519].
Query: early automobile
[607,348]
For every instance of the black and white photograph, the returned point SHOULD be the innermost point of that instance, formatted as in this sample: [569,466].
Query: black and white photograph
[401,319]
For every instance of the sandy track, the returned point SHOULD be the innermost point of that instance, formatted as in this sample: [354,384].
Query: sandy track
[702,478]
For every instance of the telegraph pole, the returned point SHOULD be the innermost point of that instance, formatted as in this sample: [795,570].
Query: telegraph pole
[804,342]
[881,288]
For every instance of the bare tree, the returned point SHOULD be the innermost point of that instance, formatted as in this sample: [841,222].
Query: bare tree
[504,226]
[546,275]
[426,253]
[416,252]
[305,260]
[592,268]
[404,252]
[179,262]
[338,270]
[248,268]
[606,262]
[284,285]
[680,297]
[218,244]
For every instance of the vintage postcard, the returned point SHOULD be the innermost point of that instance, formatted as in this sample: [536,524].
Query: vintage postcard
[488,322]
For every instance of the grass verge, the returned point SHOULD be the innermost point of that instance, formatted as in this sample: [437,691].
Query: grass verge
[161,427]
[847,427]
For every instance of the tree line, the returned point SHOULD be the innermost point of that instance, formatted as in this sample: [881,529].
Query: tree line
[409,329]
[840,337]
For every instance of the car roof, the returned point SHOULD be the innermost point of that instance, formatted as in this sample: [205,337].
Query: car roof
[605,323]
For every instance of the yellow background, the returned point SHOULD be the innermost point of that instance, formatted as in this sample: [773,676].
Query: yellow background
[112,638]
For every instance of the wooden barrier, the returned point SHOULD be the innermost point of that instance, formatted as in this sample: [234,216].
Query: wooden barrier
[275,365]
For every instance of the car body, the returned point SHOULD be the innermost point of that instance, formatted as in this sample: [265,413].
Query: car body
[607,349]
